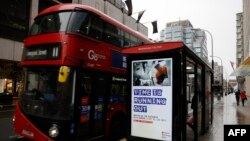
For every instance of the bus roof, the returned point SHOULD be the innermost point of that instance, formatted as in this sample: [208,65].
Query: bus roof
[154,47]
[79,7]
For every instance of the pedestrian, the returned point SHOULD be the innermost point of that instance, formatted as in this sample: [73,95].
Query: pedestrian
[243,97]
[237,96]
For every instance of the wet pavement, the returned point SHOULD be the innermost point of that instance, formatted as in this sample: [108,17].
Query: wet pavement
[226,112]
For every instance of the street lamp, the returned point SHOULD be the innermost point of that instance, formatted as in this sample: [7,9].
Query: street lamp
[221,73]
[212,48]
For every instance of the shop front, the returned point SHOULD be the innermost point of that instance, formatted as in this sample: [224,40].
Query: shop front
[10,80]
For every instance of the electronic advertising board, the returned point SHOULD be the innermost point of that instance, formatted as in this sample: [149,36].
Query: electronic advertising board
[151,100]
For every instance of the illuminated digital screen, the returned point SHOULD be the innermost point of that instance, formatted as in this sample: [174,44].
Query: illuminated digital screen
[151,100]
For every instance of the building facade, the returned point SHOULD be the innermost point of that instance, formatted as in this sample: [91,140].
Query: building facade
[239,47]
[246,38]
[183,31]
[14,27]
[243,43]
[18,15]
[218,74]
[239,40]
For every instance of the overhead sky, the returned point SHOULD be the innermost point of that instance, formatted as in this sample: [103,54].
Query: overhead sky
[216,16]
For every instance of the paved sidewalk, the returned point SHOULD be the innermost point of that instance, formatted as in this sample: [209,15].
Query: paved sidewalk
[244,112]
[226,112]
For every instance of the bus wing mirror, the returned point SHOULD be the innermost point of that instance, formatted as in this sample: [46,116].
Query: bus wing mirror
[63,74]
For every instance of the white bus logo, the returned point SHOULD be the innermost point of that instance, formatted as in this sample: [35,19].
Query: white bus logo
[94,56]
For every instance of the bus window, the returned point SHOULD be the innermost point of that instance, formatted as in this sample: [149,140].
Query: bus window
[126,40]
[93,26]
[44,97]
[133,40]
[130,40]
[50,23]
[111,34]
[96,28]
[80,23]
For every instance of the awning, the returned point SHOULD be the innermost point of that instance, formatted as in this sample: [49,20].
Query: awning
[243,69]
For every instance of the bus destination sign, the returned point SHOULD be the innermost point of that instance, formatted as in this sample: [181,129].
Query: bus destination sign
[41,52]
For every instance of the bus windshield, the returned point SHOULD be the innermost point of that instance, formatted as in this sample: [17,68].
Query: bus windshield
[56,22]
[44,96]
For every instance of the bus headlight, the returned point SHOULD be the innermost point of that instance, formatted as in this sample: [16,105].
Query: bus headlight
[53,131]
[14,118]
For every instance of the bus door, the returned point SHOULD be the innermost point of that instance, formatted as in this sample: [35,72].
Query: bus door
[93,99]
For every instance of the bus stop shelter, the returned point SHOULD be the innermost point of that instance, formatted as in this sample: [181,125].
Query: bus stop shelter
[169,93]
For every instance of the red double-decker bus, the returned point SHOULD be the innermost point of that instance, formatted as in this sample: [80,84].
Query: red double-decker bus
[74,75]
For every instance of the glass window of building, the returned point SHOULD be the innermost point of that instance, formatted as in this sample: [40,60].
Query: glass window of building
[178,39]
[178,28]
[14,19]
[169,35]
[167,30]
[188,35]
[43,4]
[188,30]
[178,34]
[189,41]
[198,50]
[162,33]
[200,33]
